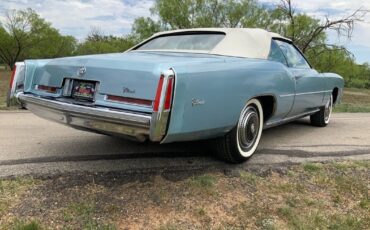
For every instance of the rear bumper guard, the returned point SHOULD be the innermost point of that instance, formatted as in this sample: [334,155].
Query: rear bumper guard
[99,119]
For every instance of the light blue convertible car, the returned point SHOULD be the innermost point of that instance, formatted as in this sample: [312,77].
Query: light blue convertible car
[221,84]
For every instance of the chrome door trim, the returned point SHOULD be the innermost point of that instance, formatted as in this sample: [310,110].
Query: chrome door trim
[306,93]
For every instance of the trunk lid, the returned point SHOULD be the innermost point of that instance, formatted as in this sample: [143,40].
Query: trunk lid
[133,75]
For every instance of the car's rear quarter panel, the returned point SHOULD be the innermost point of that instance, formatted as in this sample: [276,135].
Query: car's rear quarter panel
[225,86]
[333,81]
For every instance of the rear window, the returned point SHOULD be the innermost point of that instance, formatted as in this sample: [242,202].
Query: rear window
[201,42]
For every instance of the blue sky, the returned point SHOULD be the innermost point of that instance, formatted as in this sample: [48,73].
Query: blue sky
[77,17]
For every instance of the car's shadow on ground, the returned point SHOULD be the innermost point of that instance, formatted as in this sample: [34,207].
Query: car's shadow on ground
[101,147]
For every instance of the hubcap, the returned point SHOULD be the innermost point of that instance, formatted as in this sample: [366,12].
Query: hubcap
[248,129]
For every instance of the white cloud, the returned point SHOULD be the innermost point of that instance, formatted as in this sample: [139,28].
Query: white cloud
[76,17]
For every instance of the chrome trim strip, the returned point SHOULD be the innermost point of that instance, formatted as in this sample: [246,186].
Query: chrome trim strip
[306,93]
[125,117]
[127,103]
[288,119]
[158,126]
[287,95]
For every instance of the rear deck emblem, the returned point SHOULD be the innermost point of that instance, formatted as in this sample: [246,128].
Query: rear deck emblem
[128,90]
[81,71]
[195,102]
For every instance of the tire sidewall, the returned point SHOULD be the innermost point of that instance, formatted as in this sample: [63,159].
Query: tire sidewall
[257,105]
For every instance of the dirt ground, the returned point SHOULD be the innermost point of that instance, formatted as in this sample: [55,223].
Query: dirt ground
[307,196]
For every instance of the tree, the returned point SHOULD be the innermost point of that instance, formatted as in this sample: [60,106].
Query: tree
[307,32]
[143,28]
[174,14]
[26,35]
[97,43]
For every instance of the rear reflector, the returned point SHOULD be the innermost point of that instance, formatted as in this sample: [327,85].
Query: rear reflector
[45,88]
[12,77]
[129,100]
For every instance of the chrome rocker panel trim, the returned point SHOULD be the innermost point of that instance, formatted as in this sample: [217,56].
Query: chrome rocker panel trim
[102,120]
[289,119]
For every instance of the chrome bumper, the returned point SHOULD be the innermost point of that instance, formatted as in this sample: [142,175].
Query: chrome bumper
[104,120]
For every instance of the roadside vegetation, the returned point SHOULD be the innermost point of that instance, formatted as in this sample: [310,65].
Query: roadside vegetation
[4,86]
[354,101]
[308,196]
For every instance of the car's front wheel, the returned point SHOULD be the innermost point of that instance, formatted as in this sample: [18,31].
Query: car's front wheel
[241,142]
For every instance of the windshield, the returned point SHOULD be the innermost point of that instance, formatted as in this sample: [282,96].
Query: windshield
[202,42]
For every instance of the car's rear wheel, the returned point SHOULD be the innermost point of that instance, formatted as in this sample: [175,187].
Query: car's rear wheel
[322,118]
[241,142]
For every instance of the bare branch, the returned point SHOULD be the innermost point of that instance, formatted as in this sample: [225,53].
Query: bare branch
[324,48]
[343,26]
[286,7]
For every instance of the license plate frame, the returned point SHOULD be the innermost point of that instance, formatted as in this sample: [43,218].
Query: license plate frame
[83,90]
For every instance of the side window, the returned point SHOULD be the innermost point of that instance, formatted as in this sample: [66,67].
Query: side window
[276,54]
[293,56]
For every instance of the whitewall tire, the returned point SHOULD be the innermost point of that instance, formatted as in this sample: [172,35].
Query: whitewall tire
[241,142]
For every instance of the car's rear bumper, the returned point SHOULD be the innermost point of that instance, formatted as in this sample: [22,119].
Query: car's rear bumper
[99,119]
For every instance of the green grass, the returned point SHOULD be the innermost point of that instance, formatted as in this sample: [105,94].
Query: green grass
[11,194]
[4,86]
[81,215]
[21,225]
[204,181]
[311,167]
[168,226]
[250,178]
[354,101]
[313,196]
[11,190]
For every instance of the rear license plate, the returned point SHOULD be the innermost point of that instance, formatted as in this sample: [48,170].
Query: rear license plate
[83,90]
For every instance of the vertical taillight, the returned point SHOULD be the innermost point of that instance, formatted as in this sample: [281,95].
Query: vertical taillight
[162,106]
[164,93]
[12,77]
[158,94]
[167,101]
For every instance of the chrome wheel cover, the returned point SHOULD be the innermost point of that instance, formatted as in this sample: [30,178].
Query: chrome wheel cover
[248,128]
[328,110]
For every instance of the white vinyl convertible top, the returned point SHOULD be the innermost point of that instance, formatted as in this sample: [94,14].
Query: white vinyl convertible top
[238,42]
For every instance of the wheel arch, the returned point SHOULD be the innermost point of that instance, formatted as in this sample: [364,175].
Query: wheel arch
[269,103]
[335,95]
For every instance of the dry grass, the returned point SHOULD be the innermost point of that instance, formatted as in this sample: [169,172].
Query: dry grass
[308,196]
[355,100]
[11,193]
